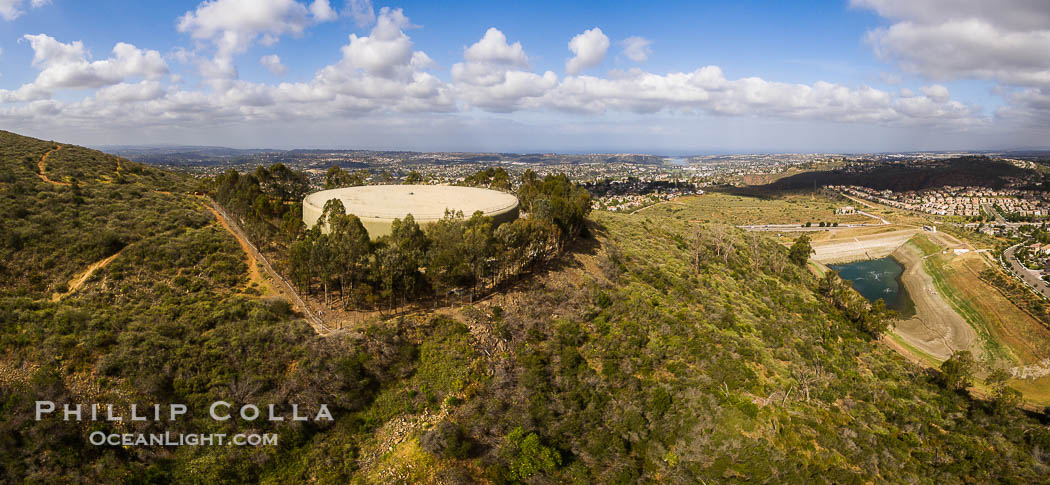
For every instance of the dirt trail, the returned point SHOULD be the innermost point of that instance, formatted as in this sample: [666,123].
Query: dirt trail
[936,328]
[78,281]
[41,166]
[253,263]
[257,260]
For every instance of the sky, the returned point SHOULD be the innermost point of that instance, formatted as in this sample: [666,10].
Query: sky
[669,78]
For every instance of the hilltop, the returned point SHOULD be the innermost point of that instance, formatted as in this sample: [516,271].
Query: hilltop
[899,177]
[656,350]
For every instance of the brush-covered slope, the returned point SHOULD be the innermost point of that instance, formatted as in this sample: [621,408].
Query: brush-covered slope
[961,171]
[625,362]
[635,366]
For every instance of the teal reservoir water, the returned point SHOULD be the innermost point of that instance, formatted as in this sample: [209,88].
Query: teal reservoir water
[878,278]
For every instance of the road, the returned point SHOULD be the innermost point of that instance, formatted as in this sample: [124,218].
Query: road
[801,228]
[1030,277]
[991,210]
[859,201]
[255,256]
[883,221]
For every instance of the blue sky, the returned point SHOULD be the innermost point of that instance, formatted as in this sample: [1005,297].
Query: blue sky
[746,76]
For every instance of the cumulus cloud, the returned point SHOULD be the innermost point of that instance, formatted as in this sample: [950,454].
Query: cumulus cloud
[384,75]
[387,50]
[273,64]
[707,90]
[12,9]
[67,66]
[322,11]
[970,48]
[47,51]
[588,50]
[935,92]
[494,75]
[1005,41]
[493,48]
[234,25]
[1014,14]
[637,49]
[380,71]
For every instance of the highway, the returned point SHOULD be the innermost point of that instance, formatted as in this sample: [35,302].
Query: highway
[816,227]
[801,228]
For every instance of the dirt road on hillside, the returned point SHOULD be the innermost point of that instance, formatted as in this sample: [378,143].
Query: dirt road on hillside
[256,260]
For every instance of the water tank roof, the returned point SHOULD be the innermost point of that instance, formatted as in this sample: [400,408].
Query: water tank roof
[424,202]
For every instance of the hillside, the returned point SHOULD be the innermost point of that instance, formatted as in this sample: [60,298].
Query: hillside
[658,351]
[962,171]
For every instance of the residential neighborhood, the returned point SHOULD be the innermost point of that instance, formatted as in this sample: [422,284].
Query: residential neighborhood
[958,201]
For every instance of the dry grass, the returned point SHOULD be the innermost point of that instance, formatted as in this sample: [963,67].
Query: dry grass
[740,210]
[1036,391]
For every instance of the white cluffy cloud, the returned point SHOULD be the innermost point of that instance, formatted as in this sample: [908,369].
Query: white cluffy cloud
[637,49]
[588,49]
[382,77]
[495,75]
[12,9]
[1005,41]
[387,51]
[273,64]
[232,26]
[67,66]
[322,11]
[707,90]
[493,48]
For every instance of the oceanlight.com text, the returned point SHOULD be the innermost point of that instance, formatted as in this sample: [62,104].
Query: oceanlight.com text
[99,438]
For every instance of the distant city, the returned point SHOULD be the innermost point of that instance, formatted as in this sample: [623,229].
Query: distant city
[621,181]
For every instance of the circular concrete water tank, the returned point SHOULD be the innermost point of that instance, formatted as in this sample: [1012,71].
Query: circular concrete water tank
[378,205]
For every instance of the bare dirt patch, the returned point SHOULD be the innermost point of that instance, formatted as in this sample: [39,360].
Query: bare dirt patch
[936,328]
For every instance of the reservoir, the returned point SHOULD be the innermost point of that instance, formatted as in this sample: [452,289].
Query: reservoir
[878,278]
